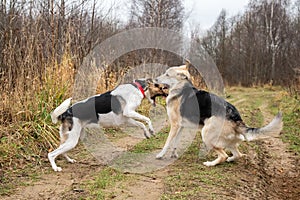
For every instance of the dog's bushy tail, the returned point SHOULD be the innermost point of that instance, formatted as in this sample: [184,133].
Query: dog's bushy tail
[273,129]
[60,110]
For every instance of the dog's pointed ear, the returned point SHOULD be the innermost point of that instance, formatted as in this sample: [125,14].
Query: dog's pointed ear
[149,81]
[187,64]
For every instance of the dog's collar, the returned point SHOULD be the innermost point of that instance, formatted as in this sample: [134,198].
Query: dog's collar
[139,86]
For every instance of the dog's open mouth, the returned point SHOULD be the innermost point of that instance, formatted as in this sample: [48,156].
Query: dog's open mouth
[166,87]
[164,91]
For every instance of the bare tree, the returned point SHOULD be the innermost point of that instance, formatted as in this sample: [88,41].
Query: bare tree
[274,15]
[257,47]
[157,13]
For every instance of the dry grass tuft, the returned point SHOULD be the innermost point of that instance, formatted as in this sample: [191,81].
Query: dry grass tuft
[26,130]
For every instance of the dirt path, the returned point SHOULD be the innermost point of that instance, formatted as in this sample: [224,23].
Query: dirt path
[277,171]
[270,171]
[50,185]
[143,187]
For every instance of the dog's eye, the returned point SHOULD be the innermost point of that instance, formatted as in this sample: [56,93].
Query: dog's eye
[156,85]
[167,74]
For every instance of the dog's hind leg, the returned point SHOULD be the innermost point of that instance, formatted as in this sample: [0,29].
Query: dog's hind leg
[71,141]
[64,136]
[222,156]
[236,154]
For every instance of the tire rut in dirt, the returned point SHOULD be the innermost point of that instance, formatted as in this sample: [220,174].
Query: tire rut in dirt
[277,173]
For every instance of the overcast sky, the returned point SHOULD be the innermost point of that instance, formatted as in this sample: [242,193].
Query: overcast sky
[200,12]
[205,12]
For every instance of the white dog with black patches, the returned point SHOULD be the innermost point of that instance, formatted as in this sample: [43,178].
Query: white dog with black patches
[223,127]
[111,109]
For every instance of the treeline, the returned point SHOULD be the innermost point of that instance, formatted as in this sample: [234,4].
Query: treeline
[47,40]
[37,34]
[260,46]
[41,45]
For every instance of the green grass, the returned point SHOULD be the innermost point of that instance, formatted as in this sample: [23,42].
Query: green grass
[5,186]
[187,177]
[276,99]
[13,178]
[291,118]
[190,179]
[106,178]
[153,143]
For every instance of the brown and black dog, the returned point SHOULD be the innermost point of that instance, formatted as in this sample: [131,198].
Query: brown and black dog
[223,127]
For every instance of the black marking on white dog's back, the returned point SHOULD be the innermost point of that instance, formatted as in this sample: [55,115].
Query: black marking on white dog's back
[89,110]
[198,105]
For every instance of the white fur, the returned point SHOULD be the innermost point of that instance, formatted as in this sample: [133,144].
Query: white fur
[60,109]
[273,129]
[69,139]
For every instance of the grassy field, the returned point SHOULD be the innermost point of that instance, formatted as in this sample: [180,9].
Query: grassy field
[186,178]
[189,179]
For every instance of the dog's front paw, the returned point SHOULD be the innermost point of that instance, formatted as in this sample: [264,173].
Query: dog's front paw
[146,135]
[151,131]
[57,169]
[159,156]
[72,161]
[174,155]
[230,159]
[208,164]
